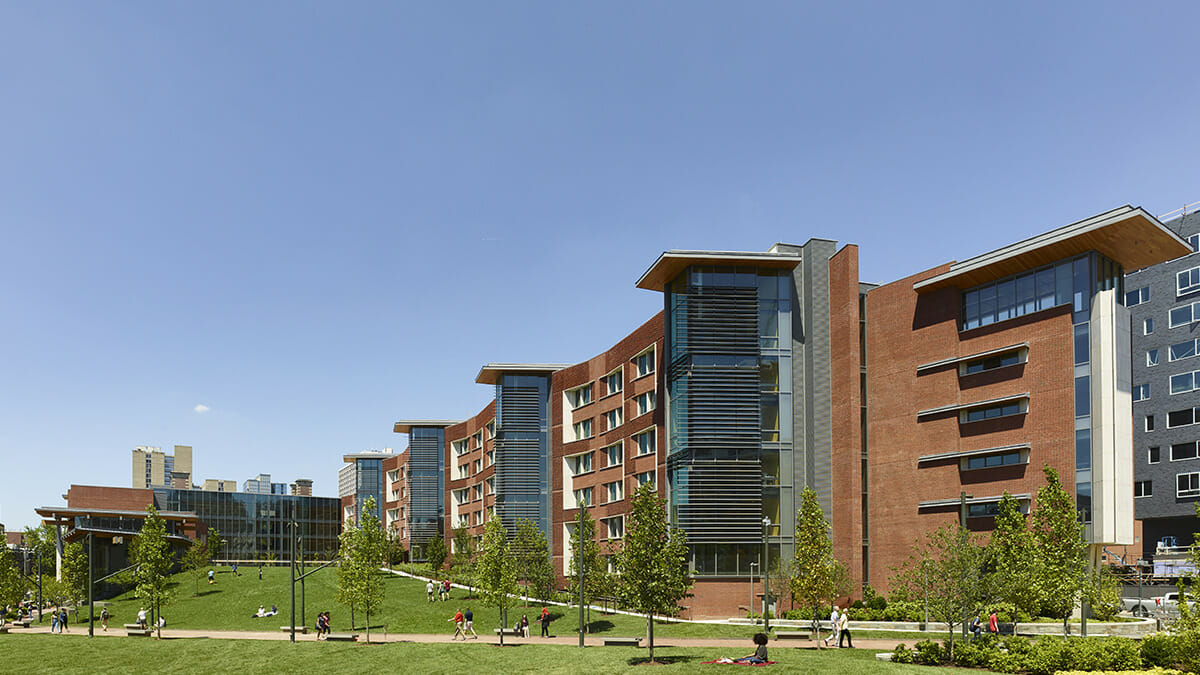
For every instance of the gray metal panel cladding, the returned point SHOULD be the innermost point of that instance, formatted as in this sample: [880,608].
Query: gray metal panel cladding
[813,391]
[715,467]
[426,479]
[522,449]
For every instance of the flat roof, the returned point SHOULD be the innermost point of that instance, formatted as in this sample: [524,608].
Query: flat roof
[405,426]
[490,374]
[1127,234]
[367,454]
[70,511]
[671,263]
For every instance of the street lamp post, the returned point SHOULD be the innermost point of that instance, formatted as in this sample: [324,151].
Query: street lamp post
[579,563]
[91,596]
[751,605]
[766,570]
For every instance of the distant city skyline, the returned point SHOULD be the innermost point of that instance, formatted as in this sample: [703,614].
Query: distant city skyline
[269,235]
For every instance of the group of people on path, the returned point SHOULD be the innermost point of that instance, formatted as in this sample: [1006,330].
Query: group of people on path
[839,623]
[463,623]
[976,626]
[322,625]
[442,588]
[58,621]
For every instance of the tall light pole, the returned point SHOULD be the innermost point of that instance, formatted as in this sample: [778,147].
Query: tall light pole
[579,563]
[766,570]
[751,605]
[91,596]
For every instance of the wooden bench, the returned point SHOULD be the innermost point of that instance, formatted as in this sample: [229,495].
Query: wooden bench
[134,630]
[342,637]
[299,629]
[512,632]
[623,642]
[793,635]
[23,623]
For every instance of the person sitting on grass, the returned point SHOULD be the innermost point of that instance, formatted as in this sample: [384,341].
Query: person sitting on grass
[760,652]
[262,611]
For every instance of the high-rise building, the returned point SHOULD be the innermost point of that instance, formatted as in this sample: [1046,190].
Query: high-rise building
[359,479]
[302,487]
[154,468]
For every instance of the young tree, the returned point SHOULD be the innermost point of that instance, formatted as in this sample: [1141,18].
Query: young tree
[817,577]
[1061,551]
[947,572]
[435,552]
[532,556]
[595,567]
[12,585]
[40,541]
[195,561]
[496,570]
[1014,559]
[216,544]
[152,552]
[653,562]
[362,553]
[463,560]
[75,571]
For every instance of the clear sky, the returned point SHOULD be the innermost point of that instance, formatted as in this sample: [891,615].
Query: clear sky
[269,230]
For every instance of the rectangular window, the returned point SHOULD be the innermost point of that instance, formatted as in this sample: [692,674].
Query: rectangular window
[614,381]
[1187,485]
[989,510]
[1148,326]
[1182,451]
[1182,350]
[1187,281]
[1181,383]
[1194,242]
[646,442]
[491,429]
[615,454]
[1149,422]
[582,429]
[1137,296]
[1143,488]
[478,465]
[1151,358]
[579,464]
[460,447]
[1153,456]
[612,419]
[478,440]
[991,461]
[1083,397]
[645,402]
[491,457]
[644,362]
[993,412]
[615,491]
[1182,418]
[464,471]
[614,527]
[583,497]
[992,363]
[1141,392]
[1183,315]
[579,396]
[643,478]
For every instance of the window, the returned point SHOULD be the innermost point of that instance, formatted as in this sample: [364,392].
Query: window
[464,471]
[614,492]
[478,465]
[615,454]
[1137,296]
[614,381]
[1187,281]
[491,457]
[1148,326]
[460,447]
[1142,488]
[579,464]
[1183,418]
[1187,485]
[612,419]
[615,527]
[1182,451]
[1182,350]
[646,442]
[1151,357]
[1141,392]
[993,412]
[1153,455]
[1183,315]
[1149,422]
[1194,242]
[645,402]
[582,429]
[461,497]
[643,478]
[992,363]
[489,486]
[1181,383]
[583,497]
[1024,294]
[644,362]
[991,461]
[478,439]
[491,429]
[988,510]
[579,396]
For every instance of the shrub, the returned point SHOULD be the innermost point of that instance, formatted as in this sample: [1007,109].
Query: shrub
[929,652]
[874,600]
[903,611]
[1160,649]
[857,604]
[971,655]
[1005,662]
[1048,656]
[1015,644]
[902,654]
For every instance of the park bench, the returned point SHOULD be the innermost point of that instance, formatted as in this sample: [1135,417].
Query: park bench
[512,632]
[622,642]
[793,635]
[23,623]
[342,637]
[299,629]
[136,630]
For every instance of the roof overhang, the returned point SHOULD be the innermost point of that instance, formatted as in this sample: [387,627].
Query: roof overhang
[367,455]
[955,501]
[1129,235]
[490,374]
[405,426]
[955,407]
[55,512]
[671,263]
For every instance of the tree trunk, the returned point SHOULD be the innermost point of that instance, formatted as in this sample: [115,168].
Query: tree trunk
[650,632]
[368,625]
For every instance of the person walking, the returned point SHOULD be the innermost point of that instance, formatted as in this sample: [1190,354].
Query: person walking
[446,590]
[104,619]
[469,616]
[844,630]
[993,624]
[545,620]
[429,590]
[141,617]
[260,572]
[458,626]
[833,627]
[62,621]
[54,622]
[210,577]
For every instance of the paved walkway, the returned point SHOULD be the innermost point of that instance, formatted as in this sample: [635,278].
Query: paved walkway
[116,630]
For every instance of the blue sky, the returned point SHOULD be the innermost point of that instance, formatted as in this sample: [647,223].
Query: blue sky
[318,218]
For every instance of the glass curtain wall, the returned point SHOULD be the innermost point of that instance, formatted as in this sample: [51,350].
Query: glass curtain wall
[426,483]
[522,448]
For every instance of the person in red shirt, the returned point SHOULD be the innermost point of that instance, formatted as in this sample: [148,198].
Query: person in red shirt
[458,626]
[993,625]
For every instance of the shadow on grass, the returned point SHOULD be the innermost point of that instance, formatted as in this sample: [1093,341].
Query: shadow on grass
[600,626]
[661,660]
[208,592]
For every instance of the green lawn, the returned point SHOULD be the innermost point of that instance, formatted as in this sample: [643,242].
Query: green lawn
[76,653]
